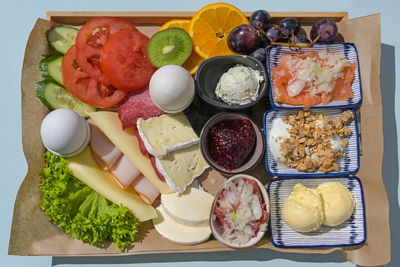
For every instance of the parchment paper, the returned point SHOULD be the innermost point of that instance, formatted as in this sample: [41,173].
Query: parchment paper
[33,234]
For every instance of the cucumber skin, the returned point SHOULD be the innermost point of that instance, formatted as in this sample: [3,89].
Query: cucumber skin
[50,44]
[40,93]
[43,66]
[39,89]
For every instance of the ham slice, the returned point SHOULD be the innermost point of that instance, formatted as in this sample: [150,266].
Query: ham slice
[135,105]
[124,172]
[99,161]
[102,147]
[146,190]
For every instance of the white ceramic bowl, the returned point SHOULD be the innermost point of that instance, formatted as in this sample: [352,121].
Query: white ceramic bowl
[216,227]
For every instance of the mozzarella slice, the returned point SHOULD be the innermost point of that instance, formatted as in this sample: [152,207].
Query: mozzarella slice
[179,233]
[124,171]
[146,190]
[102,146]
[192,207]
[85,168]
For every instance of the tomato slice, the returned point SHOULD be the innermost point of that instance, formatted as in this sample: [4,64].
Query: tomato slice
[90,40]
[87,89]
[124,60]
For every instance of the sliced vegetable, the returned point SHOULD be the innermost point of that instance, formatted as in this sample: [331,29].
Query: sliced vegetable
[90,40]
[124,60]
[55,96]
[88,90]
[50,68]
[81,212]
[61,38]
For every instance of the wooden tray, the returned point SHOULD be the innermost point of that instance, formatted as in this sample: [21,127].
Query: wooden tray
[149,22]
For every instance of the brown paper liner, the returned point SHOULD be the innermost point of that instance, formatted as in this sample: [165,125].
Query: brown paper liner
[33,234]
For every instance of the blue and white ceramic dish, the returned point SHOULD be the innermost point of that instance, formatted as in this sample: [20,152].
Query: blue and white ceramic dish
[348,165]
[274,56]
[350,233]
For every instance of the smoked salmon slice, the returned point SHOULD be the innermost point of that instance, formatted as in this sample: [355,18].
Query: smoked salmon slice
[324,77]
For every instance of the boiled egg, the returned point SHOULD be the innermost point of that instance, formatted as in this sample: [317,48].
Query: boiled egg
[64,132]
[172,88]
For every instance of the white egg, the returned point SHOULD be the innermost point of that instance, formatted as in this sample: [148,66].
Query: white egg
[64,132]
[172,88]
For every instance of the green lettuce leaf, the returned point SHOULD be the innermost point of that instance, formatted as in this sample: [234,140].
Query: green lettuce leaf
[81,212]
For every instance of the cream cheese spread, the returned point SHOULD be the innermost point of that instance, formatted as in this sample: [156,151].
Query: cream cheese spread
[239,85]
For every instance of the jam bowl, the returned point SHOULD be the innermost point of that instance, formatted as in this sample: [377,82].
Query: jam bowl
[231,143]
[240,225]
[211,70]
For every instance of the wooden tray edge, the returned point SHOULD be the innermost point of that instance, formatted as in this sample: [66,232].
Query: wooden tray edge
[160,17]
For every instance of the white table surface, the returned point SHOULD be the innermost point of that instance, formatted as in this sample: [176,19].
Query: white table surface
[18,18]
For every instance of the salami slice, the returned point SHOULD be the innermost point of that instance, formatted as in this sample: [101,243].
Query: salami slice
[135,105]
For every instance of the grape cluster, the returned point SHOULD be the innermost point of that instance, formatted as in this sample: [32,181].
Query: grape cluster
[253,39]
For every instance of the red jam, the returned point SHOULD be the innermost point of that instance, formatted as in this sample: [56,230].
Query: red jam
[231,142]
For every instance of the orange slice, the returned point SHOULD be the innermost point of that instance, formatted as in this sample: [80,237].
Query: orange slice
[210,27]
[179,23]
[194,59]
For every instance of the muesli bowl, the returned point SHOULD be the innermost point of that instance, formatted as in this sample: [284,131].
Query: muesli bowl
[260,214]
[210,71]
[348,165]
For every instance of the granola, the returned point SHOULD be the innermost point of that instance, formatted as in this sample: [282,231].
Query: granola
[309,145]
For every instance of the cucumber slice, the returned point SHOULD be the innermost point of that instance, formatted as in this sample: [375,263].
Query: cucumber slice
[55,96]
[50,67]
[61,38]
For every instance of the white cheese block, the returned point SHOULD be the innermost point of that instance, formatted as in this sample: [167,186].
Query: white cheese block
[181,167]
[85,168]
[192,207]
[127,142]
[166,133]
[179,233]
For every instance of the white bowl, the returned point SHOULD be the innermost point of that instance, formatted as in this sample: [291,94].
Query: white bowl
[216,227]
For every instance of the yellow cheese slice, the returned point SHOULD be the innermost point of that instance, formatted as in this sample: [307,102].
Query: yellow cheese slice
[127,142]
[84,167]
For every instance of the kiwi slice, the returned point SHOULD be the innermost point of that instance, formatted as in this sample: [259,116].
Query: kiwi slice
[169,47]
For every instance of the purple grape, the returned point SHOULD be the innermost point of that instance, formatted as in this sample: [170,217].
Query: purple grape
[264,41]
[259,54]
[301,38]
[289,25]
[243,39]
[326,28]
[273,33]
[261,17]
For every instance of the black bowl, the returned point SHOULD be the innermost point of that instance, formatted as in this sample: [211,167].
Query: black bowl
[211,70]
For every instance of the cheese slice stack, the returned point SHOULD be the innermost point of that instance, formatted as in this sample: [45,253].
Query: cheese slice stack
[127,142]
[184,218]
[191,208]
[84,167]
[172,141]
[167,133]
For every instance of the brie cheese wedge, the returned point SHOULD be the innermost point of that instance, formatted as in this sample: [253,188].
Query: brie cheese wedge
[167,133]
[181,167]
